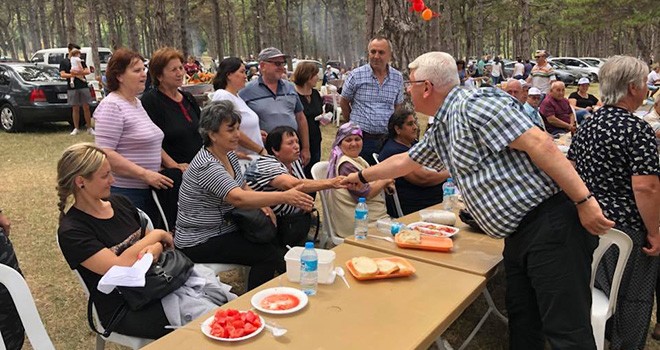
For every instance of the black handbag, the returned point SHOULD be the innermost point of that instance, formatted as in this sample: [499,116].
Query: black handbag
[253,224]
[168,274]
[293,229]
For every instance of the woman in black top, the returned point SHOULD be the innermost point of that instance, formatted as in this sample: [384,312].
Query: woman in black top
[174,111]
[101,230]
[305,78]
[583,102]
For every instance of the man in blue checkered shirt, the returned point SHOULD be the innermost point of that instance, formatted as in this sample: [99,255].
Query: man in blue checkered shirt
[518,186]
[370,94]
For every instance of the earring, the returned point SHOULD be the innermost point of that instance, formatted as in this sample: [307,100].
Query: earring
[82,186]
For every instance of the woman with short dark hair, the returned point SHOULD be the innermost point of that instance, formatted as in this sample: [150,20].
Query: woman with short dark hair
[228,81]
[421,188]
[212,186]
[282,170]
[127,135]
[305,78]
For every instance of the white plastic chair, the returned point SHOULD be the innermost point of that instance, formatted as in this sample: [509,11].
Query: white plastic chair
[395,196]
[320,171]
[160,210]
[27,311]
[602,308]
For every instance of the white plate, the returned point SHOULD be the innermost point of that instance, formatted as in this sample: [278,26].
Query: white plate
[257,298]
[206,329]
[455,229]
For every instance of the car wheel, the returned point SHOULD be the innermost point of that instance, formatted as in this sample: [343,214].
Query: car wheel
[9,119]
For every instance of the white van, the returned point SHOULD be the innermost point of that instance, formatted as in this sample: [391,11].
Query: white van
[54,56]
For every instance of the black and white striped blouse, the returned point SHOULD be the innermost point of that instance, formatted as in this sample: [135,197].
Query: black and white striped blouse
[263,170]
[202,205]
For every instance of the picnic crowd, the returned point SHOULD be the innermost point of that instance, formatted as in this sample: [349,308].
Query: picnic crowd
[253,147]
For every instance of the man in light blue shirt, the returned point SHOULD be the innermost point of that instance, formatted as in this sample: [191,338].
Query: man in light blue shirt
[370,94]
[532,107]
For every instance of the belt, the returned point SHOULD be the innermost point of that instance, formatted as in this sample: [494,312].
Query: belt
[369,136]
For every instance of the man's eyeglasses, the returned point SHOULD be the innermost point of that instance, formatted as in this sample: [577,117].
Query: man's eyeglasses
[277,63]
[408,83]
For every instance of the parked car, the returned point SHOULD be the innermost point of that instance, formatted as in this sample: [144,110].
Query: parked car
[54,56]
[295,61]
[31,93]
[578,64]
[561,72]
[594,61]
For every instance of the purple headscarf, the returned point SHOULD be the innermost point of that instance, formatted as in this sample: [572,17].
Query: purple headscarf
[343,132]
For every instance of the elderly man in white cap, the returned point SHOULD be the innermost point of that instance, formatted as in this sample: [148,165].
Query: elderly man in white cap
[531,107]
[275,100]
[584,103]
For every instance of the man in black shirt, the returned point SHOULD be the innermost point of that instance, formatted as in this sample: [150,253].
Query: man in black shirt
[79,94]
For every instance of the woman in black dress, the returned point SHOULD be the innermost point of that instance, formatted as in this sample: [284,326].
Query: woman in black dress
[615,154]
[305,78]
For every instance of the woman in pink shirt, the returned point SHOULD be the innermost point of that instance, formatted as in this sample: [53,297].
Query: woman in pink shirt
[132,142]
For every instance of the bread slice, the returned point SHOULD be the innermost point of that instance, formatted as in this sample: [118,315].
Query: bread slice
[403,268]
[409,236]
[365,267]
[387,267]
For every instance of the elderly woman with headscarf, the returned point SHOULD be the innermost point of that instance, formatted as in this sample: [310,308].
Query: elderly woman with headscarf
[615,154]
[345,159]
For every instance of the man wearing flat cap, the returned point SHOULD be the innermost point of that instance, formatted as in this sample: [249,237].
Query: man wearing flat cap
[275,100]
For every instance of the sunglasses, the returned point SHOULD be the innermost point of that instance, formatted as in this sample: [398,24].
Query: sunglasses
[277,63]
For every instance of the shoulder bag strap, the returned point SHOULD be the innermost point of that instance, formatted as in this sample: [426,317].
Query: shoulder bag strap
[114,320]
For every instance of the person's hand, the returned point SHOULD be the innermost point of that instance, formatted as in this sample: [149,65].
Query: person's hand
[390,188]
[351,179]
[5,224]
[270,213]
[157,180]
[337,182]
[182,166]
[298,199]
[589,109]
[264,134]
[242,155]
[592,217]
[654,244]
[155,249]
[162,236]
[305,156]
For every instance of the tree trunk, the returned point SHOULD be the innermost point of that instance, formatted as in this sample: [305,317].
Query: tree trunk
[71,29]
[91,23]
[217,29]
[344,33]
[231,28]
[160,16]
[642,47]
[373,24]
[525,31]
[258,9]
[314,20]
[247,45]
[45,39]
[479,41]
[35,42]
[21,33]
[59,22]
[301,32]
[403,29]
[182,12]
[132,34]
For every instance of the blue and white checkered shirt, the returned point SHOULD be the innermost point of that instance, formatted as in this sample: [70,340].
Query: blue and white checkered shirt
[372,104]
[471,134]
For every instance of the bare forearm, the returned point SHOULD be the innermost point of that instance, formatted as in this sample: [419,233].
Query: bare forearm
[425,177]
[345,108]
[167,161]
[556,122]
[377,187]
[393,167]
[124,167]
[247,142]
[303,130]
[240,198]
[647,198]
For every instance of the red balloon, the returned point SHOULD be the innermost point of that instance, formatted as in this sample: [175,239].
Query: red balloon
[418,6]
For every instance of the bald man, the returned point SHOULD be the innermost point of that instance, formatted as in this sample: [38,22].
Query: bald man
[557,112]
[515,89]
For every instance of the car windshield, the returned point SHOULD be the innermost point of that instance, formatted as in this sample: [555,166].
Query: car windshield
[557,65]
[37,73]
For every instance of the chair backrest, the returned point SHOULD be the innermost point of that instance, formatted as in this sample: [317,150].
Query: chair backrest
[624,243]
[20,294]
[395,196]
[150,225]
[319,172]
[163,217]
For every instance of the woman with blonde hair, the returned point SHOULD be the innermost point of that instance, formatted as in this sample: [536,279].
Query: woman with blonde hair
[98,230]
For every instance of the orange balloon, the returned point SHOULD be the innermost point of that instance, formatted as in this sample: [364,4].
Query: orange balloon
[427,14]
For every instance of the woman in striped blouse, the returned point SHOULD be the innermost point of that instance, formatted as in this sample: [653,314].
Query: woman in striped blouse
[212,186]
[282,170]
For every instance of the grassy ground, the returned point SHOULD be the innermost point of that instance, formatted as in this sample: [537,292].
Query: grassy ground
[28,197]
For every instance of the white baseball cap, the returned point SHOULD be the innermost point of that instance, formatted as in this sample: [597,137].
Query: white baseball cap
[534,91]
[583,81]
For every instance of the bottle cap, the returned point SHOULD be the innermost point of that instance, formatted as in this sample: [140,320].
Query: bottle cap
[309,245]
[362,200]
[449,179]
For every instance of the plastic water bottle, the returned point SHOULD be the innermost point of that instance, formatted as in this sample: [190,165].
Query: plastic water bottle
[309,263]
[449,194]
[361,219]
